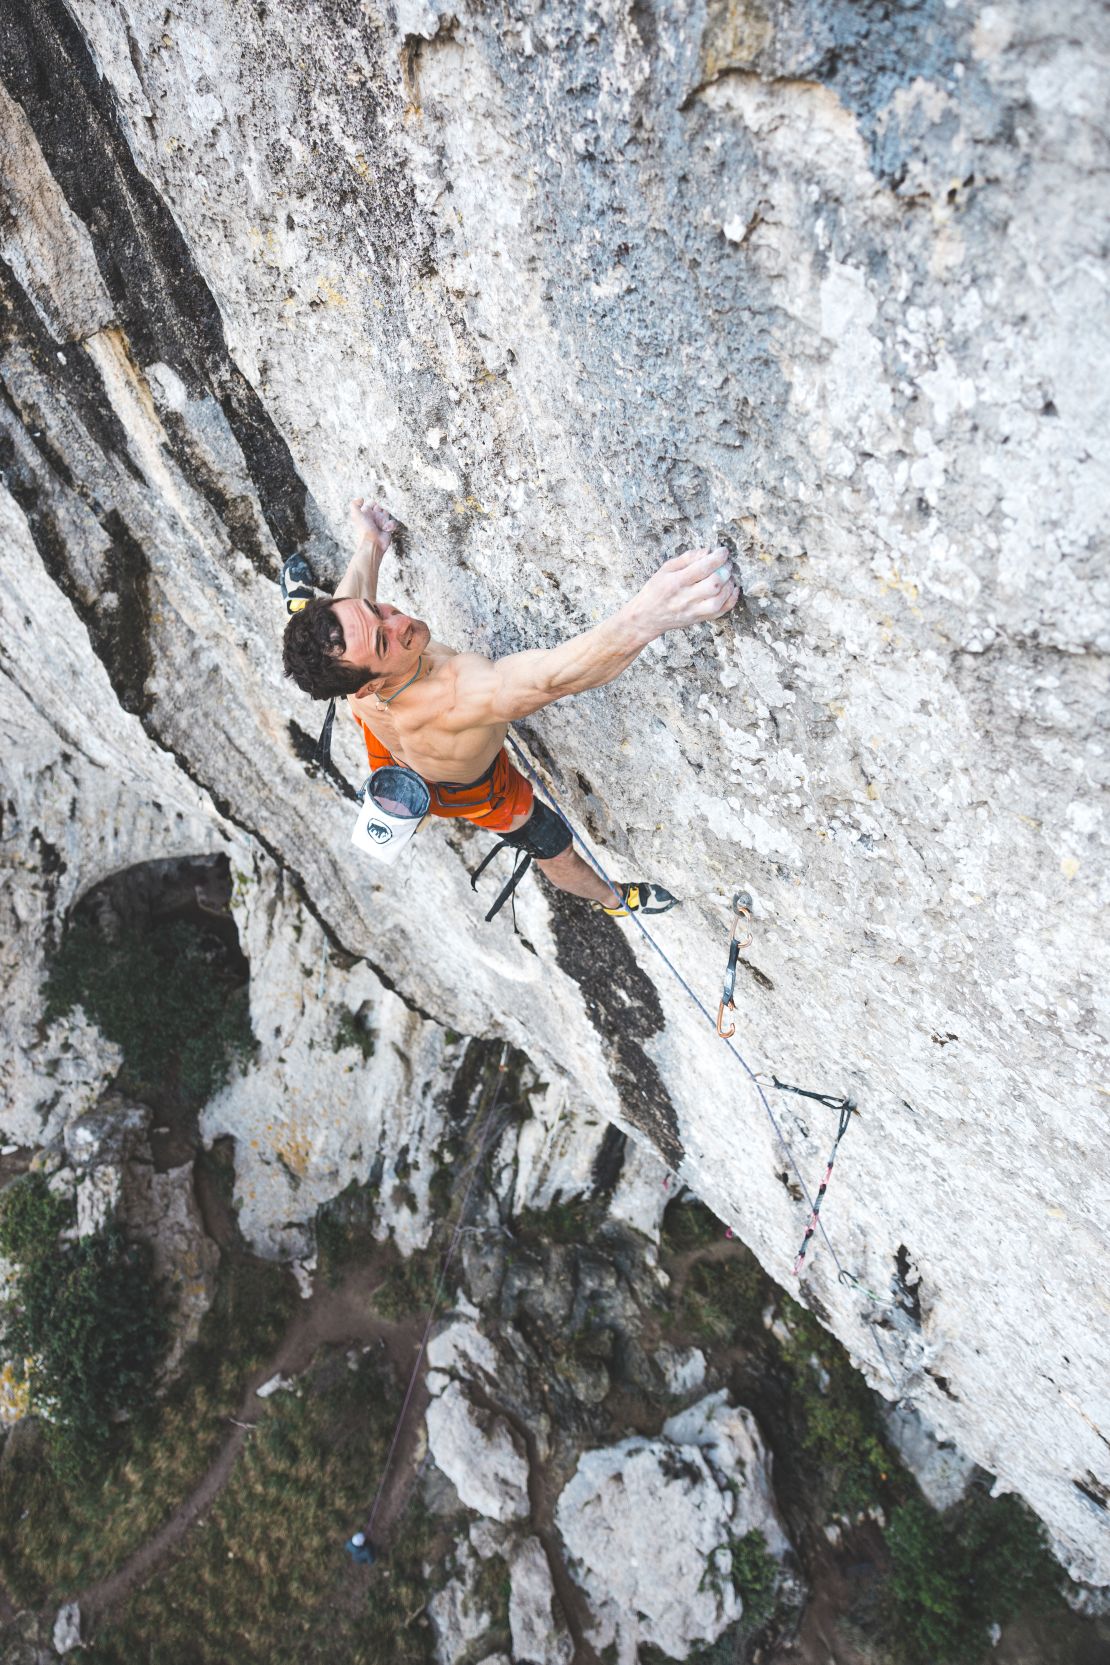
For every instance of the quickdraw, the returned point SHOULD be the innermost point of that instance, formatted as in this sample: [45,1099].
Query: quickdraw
[847,1109]
[742,903]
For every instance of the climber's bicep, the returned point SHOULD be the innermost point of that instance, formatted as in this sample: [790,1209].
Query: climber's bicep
[488,691]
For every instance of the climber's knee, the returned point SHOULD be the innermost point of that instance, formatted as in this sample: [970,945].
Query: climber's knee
[543,836]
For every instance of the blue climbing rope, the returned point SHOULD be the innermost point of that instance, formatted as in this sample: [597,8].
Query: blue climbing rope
[844,1276]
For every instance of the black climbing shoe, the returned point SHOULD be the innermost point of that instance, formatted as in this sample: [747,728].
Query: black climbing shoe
[640,897]
[297,586]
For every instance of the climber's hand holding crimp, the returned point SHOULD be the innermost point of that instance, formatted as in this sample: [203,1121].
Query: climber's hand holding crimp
[688,589]
[374,527]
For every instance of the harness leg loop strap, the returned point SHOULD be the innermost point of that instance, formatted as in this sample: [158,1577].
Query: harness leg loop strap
[520,867]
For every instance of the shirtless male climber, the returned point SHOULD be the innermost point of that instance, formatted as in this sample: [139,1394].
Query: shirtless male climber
[445,714]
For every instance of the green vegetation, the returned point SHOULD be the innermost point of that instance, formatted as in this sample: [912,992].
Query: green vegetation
[723,1299]
[574,1221]
[441,1186]
[169,1002]
[954,1575]
[409,1286]
[90,1318]
[265,1580]
[490,1594]
[690,1225]
[88,1519]
[755,1574]
[835,1416]
[352,1031]
[31,1216]
[344,1229]
[835,1433]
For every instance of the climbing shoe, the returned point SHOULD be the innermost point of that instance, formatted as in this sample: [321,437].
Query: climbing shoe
[640,897]
[297,586]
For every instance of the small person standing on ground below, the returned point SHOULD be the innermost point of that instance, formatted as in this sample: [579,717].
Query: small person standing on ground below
[445,714]
[360,1549]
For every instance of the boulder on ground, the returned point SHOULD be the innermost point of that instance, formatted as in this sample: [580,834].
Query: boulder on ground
[67,1628]
[478,1453]
[649,1526]
[942,1472]
[539,1632]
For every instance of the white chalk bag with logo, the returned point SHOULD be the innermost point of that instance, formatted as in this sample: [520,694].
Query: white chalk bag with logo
[394,802]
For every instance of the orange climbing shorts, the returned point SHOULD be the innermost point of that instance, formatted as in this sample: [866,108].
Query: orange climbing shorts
[493,801]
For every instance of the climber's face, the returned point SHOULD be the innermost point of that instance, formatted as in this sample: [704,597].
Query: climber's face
[379,638]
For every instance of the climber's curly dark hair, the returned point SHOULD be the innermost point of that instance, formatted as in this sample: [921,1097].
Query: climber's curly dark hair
[313,646]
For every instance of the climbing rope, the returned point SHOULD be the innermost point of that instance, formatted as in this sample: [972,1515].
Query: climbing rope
[843,1275]
[488,1126]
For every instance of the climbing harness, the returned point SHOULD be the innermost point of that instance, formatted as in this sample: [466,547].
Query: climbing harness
[457,797]
[521,863]
[742,903]
[489,1129]
[544,836]
[844,1276]
[847,1111]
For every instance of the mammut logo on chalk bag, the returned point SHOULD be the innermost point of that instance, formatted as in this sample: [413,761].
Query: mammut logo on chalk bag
[379,833]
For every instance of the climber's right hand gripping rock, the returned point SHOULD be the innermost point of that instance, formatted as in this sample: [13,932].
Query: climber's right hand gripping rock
[688,589]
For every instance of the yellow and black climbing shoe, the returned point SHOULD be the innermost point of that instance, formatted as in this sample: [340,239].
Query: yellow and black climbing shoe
[297,585]
[640,897]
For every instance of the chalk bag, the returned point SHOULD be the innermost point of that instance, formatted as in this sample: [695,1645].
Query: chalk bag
[394,802]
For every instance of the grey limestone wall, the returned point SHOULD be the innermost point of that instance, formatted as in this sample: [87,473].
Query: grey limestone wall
[573,286]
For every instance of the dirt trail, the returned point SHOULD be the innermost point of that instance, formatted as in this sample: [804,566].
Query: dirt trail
[331,1316]
[542,1499]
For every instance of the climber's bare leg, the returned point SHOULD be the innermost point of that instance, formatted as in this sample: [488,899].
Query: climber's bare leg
[569,872]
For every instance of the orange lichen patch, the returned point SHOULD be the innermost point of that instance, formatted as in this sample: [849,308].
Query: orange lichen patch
[330,292]
[15,1391]
[294,1149]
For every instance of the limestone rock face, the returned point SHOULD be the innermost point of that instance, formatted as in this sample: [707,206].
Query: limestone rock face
[477,1452]
[572,289]
[459,1614]
[943,1473]
[539,1634]
[648,1523]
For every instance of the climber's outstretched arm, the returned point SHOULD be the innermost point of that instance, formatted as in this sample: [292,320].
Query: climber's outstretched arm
[687,590]
[374,528]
